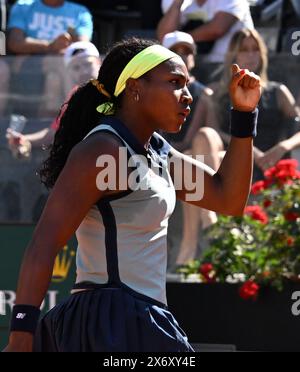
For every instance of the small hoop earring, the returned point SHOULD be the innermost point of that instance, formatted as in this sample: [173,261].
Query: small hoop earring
[137,97]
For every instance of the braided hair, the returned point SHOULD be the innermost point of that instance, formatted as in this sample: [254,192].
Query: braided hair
[81,115]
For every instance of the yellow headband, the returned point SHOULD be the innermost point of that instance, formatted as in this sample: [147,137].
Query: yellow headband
[140,64]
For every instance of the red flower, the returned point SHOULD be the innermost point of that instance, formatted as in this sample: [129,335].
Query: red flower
[287,163]
[284,171]
[206,269]
[258,187]
[257,213]
[249,290]
[288,182]
[291,216]
[290,241]
[286,174]
[270,173]
[267,203]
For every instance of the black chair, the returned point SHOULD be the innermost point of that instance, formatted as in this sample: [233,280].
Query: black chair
[110,25]
[120,5]
[151,13]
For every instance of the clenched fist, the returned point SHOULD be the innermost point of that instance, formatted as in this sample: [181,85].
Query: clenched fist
[244,89]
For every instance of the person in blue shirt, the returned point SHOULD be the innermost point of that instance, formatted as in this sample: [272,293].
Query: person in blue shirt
[47,26]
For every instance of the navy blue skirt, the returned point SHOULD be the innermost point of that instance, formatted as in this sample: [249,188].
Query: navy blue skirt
[110,319]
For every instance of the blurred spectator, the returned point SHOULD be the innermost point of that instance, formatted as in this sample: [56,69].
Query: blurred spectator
[210,22]
[82,61]
[43,27]
[278,122]
[47,26]
[183,44]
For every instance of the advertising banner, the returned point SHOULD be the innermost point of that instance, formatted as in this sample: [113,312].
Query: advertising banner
[13,241]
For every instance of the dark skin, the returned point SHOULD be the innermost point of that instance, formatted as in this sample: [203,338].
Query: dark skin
[162,94]
[53,3]
[163,103]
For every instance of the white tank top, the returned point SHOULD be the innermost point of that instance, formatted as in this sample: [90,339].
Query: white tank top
[125,237]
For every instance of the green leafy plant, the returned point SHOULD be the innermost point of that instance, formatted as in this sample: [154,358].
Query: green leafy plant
[263,246]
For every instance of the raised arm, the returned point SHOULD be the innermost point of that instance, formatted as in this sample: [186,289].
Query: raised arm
[20,44]
[212,120]
[215,29]
[73,195]
[227,190]
[170,21]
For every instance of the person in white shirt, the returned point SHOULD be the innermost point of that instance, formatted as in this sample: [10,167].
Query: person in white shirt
[210,22]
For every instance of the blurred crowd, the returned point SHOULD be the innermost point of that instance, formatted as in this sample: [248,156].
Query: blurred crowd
[55,45]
